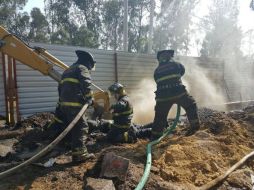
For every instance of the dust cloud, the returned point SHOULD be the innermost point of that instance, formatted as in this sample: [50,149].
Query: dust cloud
[202,88]
[143,99]
[198,84]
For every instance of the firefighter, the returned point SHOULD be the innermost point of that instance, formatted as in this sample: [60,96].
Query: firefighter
[170,90]
[75,91]
[121,130]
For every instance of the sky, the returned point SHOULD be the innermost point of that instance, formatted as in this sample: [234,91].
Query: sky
[34,3]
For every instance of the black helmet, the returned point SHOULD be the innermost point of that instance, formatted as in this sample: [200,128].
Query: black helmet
[169,53]
[117,88]
[85,58]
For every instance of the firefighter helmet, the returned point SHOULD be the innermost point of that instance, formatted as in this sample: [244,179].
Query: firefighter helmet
[85,58]
[117,88]
[165,54]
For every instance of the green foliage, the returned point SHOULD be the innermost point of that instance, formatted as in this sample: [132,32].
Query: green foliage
[9,13]
[224,37]
[112,17]
[91,10]
[99,24]
[174,25]
[39,26]
[84,37]
[138,31]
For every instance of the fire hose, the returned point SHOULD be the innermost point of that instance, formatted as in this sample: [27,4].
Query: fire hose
[47,148]
[146,174]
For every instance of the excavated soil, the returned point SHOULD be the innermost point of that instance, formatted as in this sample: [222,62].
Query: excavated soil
[179,162]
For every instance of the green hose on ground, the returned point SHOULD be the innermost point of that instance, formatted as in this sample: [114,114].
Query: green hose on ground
[169,130]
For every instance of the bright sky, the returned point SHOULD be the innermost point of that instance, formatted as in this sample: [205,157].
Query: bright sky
[34,3]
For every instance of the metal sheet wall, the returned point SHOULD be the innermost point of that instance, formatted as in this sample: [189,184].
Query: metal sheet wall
[132,68]
[38,93]
[239,80]
[2,93]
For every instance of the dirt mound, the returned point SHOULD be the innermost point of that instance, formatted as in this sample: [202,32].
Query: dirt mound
[179,162]
[37,120]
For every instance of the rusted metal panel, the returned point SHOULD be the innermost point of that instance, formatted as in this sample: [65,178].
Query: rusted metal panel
[2,91]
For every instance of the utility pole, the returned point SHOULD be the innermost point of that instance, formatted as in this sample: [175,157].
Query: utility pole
[125,26]
[150,38]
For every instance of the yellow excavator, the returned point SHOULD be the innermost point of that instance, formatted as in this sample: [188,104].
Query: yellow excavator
[39,59]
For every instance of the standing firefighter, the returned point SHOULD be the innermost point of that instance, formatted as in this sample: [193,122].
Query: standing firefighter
[75,91]
[170,90]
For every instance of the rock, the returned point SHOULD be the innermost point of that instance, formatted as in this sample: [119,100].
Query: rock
[6,146]
[114,166]
[155,170]
[99,184]
[54,178]
[241,178]
[202,134]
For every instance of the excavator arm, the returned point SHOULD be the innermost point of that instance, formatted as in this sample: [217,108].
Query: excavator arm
[39,59]
[36,58]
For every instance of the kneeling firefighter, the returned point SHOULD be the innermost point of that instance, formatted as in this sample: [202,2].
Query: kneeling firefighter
[121,130]
[74,92]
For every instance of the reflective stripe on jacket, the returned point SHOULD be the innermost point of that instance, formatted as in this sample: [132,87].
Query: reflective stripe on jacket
[122,112]
[168,79]
[75,86]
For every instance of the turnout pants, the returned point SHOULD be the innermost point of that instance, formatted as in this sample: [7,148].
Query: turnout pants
[64,115]
[116,134]
[162,109]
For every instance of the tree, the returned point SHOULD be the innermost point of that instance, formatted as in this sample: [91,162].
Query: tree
[62,25]
[224,36]
[22,25]
[10,16]
[39,26]
[252,4]
[84,37]
[92,11]
[112,18]
[173,30]
[138,31]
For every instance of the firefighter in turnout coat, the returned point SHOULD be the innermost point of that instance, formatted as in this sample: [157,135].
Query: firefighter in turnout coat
[74,92]
[170,90]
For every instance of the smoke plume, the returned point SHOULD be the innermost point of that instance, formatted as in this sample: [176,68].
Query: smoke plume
[198,84]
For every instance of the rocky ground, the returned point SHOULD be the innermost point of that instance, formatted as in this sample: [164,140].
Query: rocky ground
[179,162]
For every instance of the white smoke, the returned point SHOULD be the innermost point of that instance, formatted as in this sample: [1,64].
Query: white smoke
[143,99]
[198,84]
[202,88]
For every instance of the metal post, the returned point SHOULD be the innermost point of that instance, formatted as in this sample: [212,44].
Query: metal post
[116,67]
[150,40]
[125,26]
[5,90]
[10,92]
[16,90]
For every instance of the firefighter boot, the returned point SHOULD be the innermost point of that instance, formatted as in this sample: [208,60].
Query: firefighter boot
[81,155]
[193,129]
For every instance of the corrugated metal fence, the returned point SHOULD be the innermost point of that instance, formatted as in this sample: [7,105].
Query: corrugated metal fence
[239,80]
[38,93]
